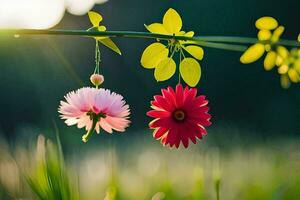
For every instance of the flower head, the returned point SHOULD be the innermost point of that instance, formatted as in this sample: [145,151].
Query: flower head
[160,56]
[180,116]
[95,109]
[288,63]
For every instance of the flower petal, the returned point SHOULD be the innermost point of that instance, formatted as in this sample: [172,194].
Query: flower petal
[190,71]
[195,51]
[165,69]
[253,53]
[159,132]
[266,23]
[110,44]
[153,55]
[293,75]
[157,28]
[277,33]
[158,114]
[101,28]
[172,21]
[264,35]
[270,60]
[95,18]
[285,81]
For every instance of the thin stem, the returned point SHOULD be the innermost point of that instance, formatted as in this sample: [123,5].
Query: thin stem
[232,47]
[133,34]
[90,132]
[180,58]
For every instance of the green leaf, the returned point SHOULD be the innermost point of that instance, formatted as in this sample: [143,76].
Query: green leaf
[190,71]
[165,69]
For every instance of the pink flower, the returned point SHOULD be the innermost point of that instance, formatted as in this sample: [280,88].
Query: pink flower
[94,109]
[179,115]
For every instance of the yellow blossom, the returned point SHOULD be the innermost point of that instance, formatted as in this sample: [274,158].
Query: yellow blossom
[268,35]
[288,63]
[160,57]
[95,19]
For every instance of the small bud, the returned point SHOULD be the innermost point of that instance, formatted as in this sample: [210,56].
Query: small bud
[97,79]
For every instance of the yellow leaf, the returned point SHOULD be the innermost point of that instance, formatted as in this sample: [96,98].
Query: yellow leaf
[264,35]
[172,21]
[277,33]
[266,23]
[110,44]
[153,54]
[156,28]
[196,51]
[95,18]
[285,81]
[253,53]
[190,71]
[294,76]
[165,69]
[299,37]
[270,60]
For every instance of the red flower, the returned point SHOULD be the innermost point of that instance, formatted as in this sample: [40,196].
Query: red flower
[180,115]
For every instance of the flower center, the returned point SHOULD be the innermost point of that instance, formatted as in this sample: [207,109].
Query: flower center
[94,115]
[179,115]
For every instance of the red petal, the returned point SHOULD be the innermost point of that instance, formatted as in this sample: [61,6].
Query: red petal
[163,141]
[164,122]
[159,132]
[179,95]
[158,114]
[169,97]
[161,102]
[190,95]
[185,141]
[172,136]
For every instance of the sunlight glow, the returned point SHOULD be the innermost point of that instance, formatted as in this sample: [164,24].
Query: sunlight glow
[40,14]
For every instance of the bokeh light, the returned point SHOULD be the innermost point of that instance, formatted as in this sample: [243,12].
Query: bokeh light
[40,14]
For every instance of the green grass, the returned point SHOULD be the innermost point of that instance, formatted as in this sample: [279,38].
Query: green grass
[40,171]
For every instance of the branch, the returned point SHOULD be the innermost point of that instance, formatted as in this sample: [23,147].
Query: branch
[202,40]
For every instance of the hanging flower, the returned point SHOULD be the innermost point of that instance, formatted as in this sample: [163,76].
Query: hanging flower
[95,19]
[179,115]
[160,56]
[95,109]
[268,35]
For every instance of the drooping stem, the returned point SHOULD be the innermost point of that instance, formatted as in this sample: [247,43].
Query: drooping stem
[97,58]
[90,132]
[132,34]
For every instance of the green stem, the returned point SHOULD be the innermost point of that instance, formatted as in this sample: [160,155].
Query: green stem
[133,34]
[90,132]
[232,47]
